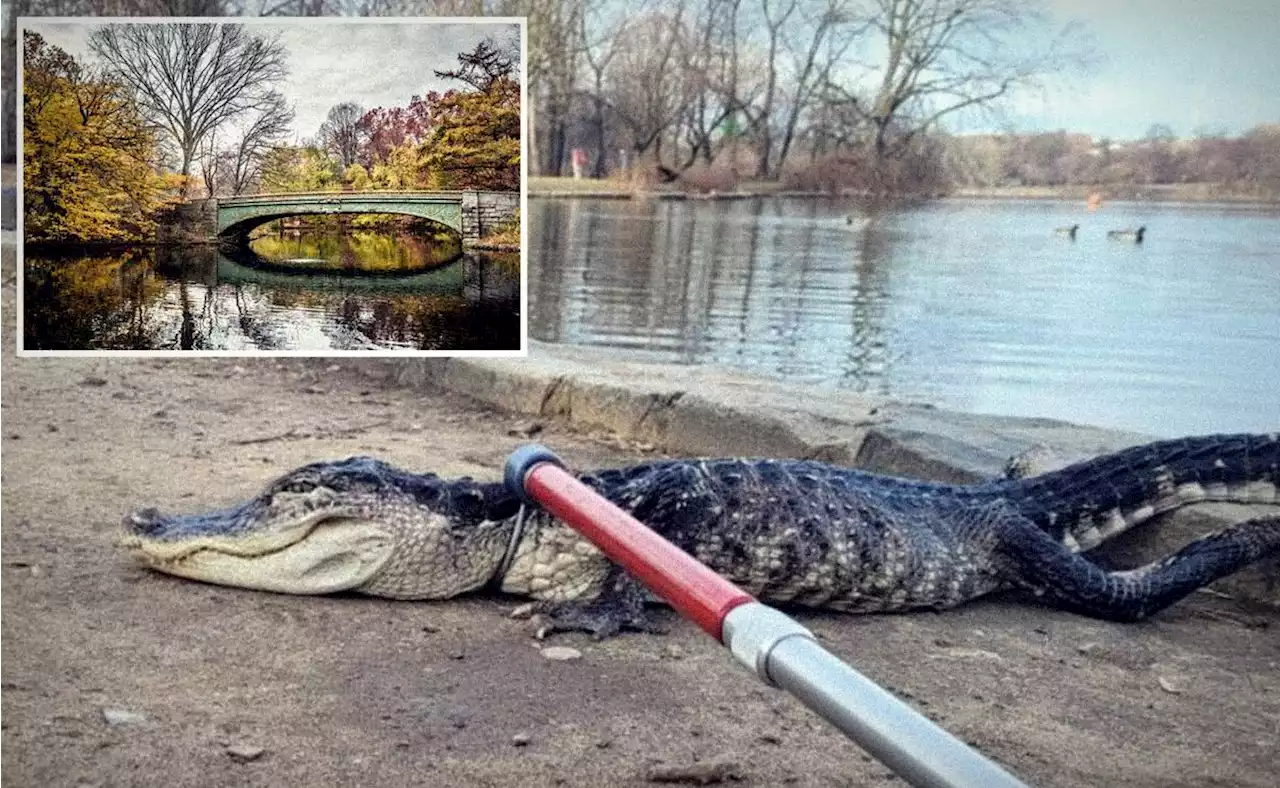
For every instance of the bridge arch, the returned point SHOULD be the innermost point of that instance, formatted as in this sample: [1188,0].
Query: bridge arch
[237,216]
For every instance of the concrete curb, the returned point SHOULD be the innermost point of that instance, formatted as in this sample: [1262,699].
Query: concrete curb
[709,411]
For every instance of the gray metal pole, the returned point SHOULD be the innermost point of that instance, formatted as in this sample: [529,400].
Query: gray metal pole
[773,645]
[785,654]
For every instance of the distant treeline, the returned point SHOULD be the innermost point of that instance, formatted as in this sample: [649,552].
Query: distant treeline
[1248,165]
[814,93]
[1205,167]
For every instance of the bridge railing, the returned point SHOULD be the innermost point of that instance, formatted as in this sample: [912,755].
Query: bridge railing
[352,194]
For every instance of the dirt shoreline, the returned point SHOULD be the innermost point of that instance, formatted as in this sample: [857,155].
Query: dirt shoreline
[209,686]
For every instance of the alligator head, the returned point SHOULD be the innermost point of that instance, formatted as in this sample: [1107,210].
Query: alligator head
[352,525]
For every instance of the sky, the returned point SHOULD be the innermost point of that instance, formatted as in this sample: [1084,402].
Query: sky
[374,65]
[1184,63]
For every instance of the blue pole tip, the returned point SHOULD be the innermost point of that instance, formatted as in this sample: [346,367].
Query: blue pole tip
[521,462]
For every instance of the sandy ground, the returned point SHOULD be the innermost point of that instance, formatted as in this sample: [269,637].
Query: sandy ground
[221,687]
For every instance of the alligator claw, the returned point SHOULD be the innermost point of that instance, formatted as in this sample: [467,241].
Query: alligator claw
[599,619]
[620,606]
[524,611]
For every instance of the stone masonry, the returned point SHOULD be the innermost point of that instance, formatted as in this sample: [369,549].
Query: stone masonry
[484,212]
[190,222]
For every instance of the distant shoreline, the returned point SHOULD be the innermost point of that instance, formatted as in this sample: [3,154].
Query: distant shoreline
[614,189]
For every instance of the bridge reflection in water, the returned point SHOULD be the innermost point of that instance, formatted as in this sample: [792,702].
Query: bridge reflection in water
[196,298]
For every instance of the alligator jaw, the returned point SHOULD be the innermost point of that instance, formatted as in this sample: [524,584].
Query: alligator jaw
[316,555]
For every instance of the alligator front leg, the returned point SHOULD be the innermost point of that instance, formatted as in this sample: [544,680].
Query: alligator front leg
[621,605]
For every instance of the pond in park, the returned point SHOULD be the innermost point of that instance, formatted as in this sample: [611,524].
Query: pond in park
[975,305]
[299,291]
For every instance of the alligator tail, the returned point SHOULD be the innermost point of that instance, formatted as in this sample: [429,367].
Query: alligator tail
[1089,502]
[1067,580]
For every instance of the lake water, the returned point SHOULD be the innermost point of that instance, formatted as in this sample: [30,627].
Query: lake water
[966,304]
[296,291]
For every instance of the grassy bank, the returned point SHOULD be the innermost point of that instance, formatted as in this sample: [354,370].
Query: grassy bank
[617,188]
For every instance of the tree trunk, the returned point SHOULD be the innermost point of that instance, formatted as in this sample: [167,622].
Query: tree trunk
[187,156]
[531,114]
[556,151]
[597,166]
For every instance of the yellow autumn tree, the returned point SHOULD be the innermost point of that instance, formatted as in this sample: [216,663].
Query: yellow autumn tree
[356,176]
[475,138]
[399,171]
[299,169]
[89,158]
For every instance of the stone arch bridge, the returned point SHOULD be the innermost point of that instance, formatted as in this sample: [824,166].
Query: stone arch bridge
[471,214]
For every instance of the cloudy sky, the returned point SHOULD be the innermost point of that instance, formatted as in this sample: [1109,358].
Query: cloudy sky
[374,65]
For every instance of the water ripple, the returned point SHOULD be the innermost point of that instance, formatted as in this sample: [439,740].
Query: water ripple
[969,304]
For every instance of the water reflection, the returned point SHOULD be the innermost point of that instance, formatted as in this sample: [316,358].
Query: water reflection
[356,253]
[197,298]
[783,289]
[972,305]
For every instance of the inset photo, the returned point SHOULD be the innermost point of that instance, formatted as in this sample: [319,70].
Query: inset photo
[278,187]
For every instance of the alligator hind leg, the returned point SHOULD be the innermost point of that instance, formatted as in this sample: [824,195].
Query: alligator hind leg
[619,606]
[1065,579]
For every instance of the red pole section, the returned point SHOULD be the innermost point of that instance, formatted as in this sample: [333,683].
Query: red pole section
[687,585]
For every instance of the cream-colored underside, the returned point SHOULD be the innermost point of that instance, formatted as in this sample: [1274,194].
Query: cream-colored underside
[556,564]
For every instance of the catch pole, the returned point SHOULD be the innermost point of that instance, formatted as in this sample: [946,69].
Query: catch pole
[780,651]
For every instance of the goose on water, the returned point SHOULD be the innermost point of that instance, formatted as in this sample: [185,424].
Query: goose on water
[1128,235]
[1070,232]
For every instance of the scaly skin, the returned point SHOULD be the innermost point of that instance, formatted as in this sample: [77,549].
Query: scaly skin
[794,532]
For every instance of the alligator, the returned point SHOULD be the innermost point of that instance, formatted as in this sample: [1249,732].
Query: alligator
[797,533]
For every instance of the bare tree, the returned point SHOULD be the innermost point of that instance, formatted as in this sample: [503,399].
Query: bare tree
[775,14]
[341,133]
[126,7]
[555,45]
[210,159]
[1156,161]
[823,34]
[712,63]
[369,7]
[600,40]
[947,56]
[299,7]
[1262,149]
[35,8]
[175,7]
[649,90]
[190,79]
[266,131]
